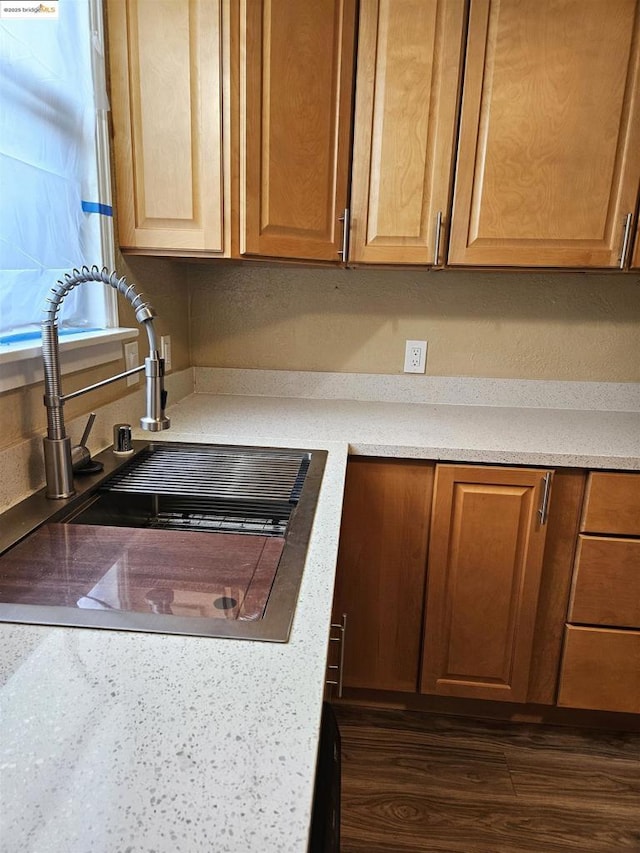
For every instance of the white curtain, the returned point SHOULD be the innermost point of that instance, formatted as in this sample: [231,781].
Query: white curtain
[48,167]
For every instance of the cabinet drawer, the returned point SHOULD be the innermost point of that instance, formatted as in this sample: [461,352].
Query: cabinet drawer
[612,504]
[601,670]
[606,583]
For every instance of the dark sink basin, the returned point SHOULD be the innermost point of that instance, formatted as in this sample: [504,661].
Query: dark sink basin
[180,539]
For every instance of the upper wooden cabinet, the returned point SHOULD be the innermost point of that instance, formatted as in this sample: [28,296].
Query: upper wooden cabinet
[168,81]
[296,70]
[549,149]
[233,118]
[409,59]
[485,568]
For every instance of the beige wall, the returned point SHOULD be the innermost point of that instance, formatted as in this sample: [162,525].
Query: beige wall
[569,326]
[22,412]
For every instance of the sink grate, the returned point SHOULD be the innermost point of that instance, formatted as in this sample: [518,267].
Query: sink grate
[260,476]
[225,489]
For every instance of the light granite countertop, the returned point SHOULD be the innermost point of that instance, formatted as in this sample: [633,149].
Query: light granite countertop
[506,434]
[116,741]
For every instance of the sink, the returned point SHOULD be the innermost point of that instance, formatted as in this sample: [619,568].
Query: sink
[197,539]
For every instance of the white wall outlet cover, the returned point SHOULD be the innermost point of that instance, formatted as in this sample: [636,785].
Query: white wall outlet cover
[415,357]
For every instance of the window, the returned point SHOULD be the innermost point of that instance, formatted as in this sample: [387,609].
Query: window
[54,170]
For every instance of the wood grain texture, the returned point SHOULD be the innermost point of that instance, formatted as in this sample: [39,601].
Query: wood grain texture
[606,583]
[549,149]
[484,573]
[381,570]
[612,504]
[295,125]
[601,670]
[418,782]
[409,59]
[562,528]
[167,84]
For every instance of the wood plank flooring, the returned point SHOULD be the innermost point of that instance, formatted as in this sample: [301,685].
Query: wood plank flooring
[414,782]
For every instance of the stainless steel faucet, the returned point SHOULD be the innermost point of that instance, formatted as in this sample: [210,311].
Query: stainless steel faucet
[57,445]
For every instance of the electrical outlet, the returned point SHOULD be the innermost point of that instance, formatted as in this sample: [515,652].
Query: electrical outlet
[415,357]
[131,360]
[165,351]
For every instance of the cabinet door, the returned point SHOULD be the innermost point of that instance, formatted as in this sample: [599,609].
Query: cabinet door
[484,571]
[549,149]
[381,571]
[167,107]
[409,56]
[295,125]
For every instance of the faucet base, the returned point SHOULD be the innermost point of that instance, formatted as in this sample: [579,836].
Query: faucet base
[57,467]
[155,424]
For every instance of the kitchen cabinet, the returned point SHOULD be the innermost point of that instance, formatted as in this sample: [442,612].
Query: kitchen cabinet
[381,571]
[232,125]
[488,531]
[548,161]
[409,61]
[296,71]
[232,130]
[601,661]
[169,76]
[491,599]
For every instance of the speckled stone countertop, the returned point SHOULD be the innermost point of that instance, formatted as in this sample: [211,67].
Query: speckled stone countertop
[506,434]
[114,741]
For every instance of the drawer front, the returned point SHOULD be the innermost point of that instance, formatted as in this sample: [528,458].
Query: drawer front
[601,670]
[612,504]
[606,582]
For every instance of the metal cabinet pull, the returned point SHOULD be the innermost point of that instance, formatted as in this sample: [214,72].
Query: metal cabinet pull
[436,242]
[344,251]
[543,511]
[341,627]
[626,239]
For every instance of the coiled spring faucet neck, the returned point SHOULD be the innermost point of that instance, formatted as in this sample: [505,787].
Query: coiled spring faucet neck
[57,446]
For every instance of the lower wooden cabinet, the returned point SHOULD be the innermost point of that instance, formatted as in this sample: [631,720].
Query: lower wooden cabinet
[488,534]
[458,580]
[381,571]
[601,661]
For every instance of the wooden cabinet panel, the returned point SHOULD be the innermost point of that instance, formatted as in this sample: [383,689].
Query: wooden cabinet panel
[409,57]
[601,670]
[484,570]
[612,504]
[166,66]
[381,571]
[549,149]
[295,125]
[606,583]
[559,553]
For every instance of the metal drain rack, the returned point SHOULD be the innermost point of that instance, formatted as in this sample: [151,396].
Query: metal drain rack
[232,490]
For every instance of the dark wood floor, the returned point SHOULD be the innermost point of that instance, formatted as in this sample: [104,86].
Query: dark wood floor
[418,782]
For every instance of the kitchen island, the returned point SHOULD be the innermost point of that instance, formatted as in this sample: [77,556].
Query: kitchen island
[115,741]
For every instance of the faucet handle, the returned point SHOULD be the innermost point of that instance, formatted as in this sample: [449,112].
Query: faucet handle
[87,429]
[81,461]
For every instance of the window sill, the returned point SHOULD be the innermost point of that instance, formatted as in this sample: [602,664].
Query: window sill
[21,363]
